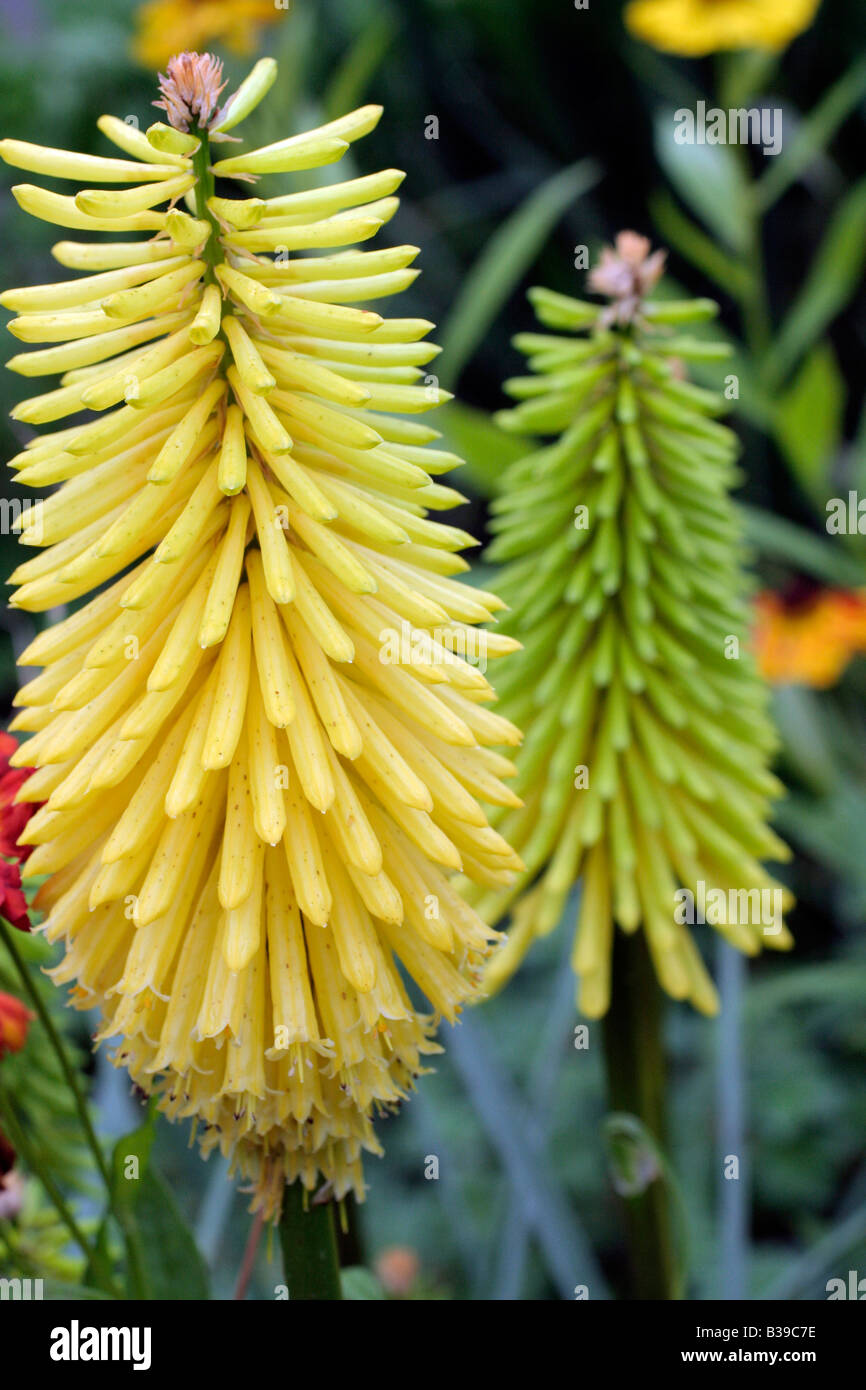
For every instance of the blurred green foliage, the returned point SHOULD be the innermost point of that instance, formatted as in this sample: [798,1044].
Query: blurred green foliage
[553,133]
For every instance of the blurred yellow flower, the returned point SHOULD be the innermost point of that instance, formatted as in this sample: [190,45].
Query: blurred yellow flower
[166,27]
[696,27]
[809,638]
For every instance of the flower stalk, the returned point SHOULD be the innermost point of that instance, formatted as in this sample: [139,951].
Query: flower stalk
[70,1076]
[636,1079]
[308,1237]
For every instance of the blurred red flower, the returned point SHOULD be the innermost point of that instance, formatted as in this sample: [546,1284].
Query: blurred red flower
[13,904]
[13,819]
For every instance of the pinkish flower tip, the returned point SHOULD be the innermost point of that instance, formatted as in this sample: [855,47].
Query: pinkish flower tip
[626,273]
[190,90]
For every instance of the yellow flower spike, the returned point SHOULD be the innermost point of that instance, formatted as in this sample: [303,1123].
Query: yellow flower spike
[258,729]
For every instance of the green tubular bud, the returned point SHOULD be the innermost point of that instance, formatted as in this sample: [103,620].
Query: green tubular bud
[561,311]
[695,397]
[692,349]
[645,763]
[680,310]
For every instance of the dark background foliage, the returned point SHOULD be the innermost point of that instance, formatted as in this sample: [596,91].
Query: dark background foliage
[522,91]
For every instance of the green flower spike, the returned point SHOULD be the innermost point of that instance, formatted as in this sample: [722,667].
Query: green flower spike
[645,766]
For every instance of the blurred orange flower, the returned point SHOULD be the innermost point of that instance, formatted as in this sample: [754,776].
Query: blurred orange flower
[14,1021]
[167,27]
[808,637]
[397,1268]
[696,27]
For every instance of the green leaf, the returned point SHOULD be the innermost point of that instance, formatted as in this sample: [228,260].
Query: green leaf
[708,178]
[131,1159]
[812,136]
[780,539]
[561,1239]
[681,233]
[348,87]
[506,258]
[472,434]
[57,1291]
[809,422]
[834,277]
[829,1256]
[798,716]
[858,455]
[172,1266]
[163,1261]
[361,1286]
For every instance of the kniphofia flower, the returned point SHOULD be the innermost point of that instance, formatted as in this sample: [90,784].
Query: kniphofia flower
[254,798]
[697,27]
[645,766]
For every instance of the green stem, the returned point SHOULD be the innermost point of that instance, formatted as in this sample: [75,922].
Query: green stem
[309,1243]
[350,1245]
[21,1144]
[635,1061]
[738,76]
[202,190]
[8,935]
